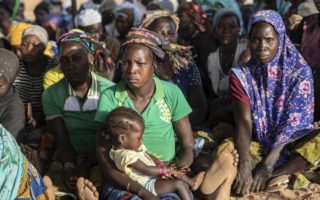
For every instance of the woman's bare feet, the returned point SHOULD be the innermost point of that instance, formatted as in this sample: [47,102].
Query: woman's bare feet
[47,181]
[197,181]
[223,168]
[86,190]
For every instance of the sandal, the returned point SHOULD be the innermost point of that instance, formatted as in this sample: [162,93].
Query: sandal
[278,183]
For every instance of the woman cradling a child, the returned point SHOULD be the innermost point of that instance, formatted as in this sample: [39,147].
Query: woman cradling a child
[164,110]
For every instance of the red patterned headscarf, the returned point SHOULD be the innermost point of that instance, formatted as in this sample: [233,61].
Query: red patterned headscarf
[195,11]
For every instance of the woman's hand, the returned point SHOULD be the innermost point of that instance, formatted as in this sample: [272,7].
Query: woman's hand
[260,178]
[186,159]
[70,177]
[243,181]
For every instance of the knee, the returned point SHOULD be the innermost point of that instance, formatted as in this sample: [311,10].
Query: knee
[180,184]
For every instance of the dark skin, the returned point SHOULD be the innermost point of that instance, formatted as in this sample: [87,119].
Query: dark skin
[4,21]
[123,25]
[32,54]
[196,97]
[263,46]
[227,32]
[94,30]
[186,27]
[317,3]
[137,71]
[74,62]
[4,85]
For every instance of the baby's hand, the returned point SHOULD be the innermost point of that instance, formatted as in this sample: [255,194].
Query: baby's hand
[184,169]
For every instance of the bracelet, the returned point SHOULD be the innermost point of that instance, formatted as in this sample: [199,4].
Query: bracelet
[128,185]
[266,168]
[163,170]
[68,165]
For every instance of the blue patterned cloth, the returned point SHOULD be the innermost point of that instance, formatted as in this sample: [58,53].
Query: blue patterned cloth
[280,92]
[185,78]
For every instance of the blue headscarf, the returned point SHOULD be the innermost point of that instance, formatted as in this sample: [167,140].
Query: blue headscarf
[280,92]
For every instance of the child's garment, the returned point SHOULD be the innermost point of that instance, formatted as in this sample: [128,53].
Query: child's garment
[124,157]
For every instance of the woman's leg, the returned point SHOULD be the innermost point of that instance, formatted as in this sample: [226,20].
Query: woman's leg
[306,154]
[165,186]
[219,178]
[86,190]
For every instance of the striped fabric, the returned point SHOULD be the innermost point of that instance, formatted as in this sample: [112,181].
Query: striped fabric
[30,88]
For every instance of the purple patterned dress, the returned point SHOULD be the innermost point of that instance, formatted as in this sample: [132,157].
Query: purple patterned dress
[280,92]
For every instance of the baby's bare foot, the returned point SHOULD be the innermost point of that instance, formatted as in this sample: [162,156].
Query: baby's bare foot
[86,190]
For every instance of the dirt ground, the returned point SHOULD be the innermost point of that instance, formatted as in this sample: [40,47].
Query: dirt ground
[312,193]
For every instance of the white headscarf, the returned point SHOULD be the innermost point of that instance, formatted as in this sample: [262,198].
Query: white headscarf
[88,17]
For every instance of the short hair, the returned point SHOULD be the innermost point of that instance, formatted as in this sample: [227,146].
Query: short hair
[118,122]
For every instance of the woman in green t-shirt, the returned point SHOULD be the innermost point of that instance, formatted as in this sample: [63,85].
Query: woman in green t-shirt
[70,106]
[164,110]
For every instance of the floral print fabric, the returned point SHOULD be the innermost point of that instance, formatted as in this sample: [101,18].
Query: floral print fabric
[280,92]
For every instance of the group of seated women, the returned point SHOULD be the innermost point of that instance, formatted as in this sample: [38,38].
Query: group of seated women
[133,139]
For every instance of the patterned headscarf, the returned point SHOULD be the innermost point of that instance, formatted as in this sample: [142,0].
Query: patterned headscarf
[195,11]
[102,59]
[159,48]
[280,92]
[151,16]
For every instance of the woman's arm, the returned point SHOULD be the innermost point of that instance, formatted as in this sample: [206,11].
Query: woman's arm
[183,130]
[65,150]
[197,101]
[110,171]
[242,139]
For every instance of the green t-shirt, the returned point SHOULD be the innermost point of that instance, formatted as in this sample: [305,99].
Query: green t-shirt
[60,100]
[167,105]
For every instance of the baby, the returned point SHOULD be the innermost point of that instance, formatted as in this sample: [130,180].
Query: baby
[125,127]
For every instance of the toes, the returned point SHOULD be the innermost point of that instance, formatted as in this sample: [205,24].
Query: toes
[229,148]
[80,184]
[96,194]
[88,183]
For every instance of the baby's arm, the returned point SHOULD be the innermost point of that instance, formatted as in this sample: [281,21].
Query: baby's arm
[149,170]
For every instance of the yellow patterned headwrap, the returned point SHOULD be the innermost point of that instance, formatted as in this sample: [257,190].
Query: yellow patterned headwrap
[151,16]
[15,33]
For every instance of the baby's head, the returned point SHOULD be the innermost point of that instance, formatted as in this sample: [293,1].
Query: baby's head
[125,127]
